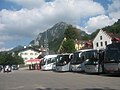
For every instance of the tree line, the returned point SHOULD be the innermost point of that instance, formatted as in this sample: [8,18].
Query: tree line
[10,59]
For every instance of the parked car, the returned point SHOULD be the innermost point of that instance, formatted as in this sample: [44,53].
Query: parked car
[7,68]
[1,67]
[14,67]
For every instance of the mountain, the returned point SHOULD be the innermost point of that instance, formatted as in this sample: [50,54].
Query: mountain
[115,29]
[19,47]
[54,36]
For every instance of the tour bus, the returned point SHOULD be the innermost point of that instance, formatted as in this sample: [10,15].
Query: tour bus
[93,61]
[47,62]
[112,58]
[76,63]
[63,63]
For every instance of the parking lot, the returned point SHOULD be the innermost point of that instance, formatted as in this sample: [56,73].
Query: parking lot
[47,80]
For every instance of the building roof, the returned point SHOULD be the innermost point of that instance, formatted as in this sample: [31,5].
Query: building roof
[88,45]
[29,48]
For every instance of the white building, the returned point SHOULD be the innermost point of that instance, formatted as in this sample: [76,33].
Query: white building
[101,40]
[29,53]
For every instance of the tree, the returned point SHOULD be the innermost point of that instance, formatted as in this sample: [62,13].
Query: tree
[8,58]
[68,46]
[71,33]
[86,37]
[18,59]
[2,58]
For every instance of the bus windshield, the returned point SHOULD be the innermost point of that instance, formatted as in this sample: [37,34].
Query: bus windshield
[63,59]
[112,52]
[76,58]
[91,57]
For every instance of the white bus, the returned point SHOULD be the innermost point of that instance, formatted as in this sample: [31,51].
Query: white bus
[93,61]
[63,63]
[112,58]
[47,62]
[77,62]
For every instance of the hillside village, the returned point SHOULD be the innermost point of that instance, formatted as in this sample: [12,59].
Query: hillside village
[45,44]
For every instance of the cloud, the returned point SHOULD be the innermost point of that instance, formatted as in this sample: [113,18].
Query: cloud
[6,38]
[37,16]
[30,4]
[98,22]
[103,20]
[1,43]
[114,9]
[4,49]
[1,26]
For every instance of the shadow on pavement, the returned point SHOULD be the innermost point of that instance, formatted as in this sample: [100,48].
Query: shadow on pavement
[97,89]
[99,74]
[110,75]
[76,89]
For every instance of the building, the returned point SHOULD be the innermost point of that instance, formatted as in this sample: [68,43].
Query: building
[29,53]
[79,44]
[102,39]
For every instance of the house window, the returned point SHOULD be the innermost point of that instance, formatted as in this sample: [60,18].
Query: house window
[31,53]
[36,53]
[100,37]
[97,44]
[25,58]
[105,42]
[101,43]
[25,53]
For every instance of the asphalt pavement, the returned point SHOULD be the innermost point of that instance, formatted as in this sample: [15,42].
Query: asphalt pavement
[25,79]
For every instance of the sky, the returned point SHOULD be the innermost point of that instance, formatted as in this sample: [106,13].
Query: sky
[22,20]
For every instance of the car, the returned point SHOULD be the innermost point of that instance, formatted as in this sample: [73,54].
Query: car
[14,67]
[7,68]
[1,67]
